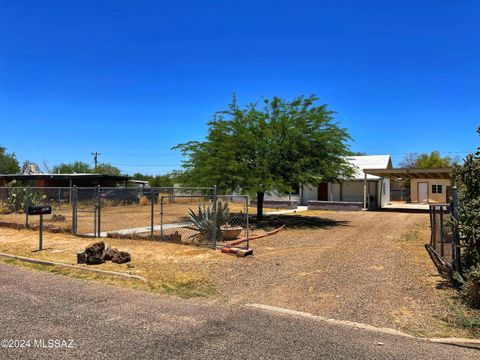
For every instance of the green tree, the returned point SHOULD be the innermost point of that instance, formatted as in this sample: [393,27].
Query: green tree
[155,180]
[272,148]
[467,177]
[426,161]
[8,162]
[78,167]
[107,169]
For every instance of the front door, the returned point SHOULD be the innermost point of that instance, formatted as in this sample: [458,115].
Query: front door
[423,192]
[323,192]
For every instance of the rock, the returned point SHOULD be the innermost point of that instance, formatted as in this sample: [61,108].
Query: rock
[57,217]
[82,257]
[95,253]
[176,237]
[121,257]
[109,253]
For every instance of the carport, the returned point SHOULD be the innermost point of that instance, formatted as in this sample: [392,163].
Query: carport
[426,185]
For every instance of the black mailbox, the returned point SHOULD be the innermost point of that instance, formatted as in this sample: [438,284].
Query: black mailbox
[39,210]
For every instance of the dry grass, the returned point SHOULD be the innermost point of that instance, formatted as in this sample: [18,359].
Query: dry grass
[169,268]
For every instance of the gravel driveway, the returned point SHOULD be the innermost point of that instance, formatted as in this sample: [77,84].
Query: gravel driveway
[369,267]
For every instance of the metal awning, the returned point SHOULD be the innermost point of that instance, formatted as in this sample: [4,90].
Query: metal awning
[410,173]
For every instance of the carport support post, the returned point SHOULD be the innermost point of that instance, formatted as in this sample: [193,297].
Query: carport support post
[365,192]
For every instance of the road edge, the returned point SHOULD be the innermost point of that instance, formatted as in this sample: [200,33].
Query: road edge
[461,342]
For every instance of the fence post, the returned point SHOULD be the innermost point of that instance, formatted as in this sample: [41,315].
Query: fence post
[152,205]
[27,204]
[161,218]
[442,232]
[99,212]
[457,261]
[214,218]
[73,202]
[247,222]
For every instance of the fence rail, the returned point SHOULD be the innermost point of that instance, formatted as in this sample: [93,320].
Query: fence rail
[187,215]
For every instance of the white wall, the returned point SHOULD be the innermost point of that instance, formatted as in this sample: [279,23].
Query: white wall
[274,196]
[385,199]
[334,193]
[309,193]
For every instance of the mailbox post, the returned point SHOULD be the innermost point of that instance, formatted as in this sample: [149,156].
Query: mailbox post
[40,210]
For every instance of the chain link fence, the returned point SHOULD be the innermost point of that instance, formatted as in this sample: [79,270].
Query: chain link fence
[181,215]
[444,238]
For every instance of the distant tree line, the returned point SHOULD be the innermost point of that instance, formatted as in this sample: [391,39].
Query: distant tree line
[9,164]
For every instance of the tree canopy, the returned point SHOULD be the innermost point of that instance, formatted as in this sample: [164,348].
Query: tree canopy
[8,162]
[81,167]
[269,147]
[426,161]
[107,169]
[166,180]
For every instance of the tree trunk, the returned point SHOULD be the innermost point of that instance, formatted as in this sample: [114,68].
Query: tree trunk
[260,196]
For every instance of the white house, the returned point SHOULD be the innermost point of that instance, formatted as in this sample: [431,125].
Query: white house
[349,190]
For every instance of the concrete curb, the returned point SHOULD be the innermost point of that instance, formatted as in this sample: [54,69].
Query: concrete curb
[461,342]
[51,263]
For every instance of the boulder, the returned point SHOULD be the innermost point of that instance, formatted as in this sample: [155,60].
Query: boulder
[109,253]
[95,253]
[82,257]
[121,257]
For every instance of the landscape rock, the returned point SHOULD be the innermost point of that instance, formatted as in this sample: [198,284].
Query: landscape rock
[121,257]
[82,257]
[109,253]
[95,253]
[58,217]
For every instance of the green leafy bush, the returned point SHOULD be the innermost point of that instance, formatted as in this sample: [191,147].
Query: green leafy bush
[467,177]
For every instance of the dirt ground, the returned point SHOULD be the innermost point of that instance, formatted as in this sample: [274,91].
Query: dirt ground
[369,267]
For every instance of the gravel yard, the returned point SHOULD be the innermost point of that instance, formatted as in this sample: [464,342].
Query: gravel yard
[369,267]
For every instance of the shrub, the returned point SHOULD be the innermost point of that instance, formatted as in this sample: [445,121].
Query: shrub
[19,198]
[202,221]
[470,285]
[468,223]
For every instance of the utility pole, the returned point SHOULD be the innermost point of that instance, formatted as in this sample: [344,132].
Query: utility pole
[95,158]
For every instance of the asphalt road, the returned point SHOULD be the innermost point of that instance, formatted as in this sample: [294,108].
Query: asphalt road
[107,322]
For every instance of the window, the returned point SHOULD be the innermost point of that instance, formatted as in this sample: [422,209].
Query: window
[437,189]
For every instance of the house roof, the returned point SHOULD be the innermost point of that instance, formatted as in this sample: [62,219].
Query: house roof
[408,173]
[63,176]
[369,162]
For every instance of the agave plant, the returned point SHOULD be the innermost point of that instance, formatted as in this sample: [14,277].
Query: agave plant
[202,221]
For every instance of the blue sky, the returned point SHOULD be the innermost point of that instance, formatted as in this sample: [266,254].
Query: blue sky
[130,79]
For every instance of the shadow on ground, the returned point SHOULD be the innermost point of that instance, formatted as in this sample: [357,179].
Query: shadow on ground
[297,222]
